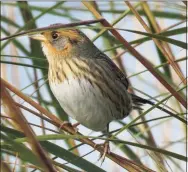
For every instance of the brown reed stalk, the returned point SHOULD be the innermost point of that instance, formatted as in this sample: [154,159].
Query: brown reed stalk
[123,162]
[168,54]
[135,53]
[19,118]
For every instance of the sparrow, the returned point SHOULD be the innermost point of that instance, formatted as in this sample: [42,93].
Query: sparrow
[86,82]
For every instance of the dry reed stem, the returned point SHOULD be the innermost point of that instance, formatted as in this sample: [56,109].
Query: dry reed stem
[156,156]
[123,162]
[18,117]
[23,166]
[136,54]
[5,167]
[169,55]
[51,27]
[54,131]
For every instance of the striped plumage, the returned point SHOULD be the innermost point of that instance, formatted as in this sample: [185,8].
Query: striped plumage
[87,84]
[89,87]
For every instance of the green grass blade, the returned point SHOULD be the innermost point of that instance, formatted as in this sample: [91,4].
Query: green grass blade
[162,38]
[64,136]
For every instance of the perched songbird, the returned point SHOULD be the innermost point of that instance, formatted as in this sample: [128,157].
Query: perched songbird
[85,81]
[87,84]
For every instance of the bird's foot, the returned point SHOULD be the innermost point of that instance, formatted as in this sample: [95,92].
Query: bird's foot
[106,150]
[66,123]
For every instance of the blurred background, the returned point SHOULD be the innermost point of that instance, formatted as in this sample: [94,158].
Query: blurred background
[24,66]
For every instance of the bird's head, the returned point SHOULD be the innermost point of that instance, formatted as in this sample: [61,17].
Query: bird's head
[63,44]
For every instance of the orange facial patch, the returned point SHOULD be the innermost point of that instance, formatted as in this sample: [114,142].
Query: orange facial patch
[72,34]
[51,52]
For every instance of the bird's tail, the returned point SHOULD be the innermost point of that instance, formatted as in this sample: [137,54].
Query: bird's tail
[138,102]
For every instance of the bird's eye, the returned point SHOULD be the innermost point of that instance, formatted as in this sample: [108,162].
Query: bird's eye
[55,35]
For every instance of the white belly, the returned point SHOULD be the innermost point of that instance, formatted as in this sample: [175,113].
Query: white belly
[85,103]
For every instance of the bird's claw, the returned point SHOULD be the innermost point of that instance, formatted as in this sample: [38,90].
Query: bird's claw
[66,123]
[106,150]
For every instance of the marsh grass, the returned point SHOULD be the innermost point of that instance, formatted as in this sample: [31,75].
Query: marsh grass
[31,118]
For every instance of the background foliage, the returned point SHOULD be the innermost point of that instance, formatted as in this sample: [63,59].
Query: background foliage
[149,139]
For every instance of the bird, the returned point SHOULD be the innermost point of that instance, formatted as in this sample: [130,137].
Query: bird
[86,82]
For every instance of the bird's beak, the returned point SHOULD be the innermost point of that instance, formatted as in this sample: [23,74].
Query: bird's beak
[39,37]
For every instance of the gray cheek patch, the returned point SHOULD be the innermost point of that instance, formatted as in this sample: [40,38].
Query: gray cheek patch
[60,43]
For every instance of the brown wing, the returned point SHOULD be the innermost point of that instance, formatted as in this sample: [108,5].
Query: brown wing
[119,75]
